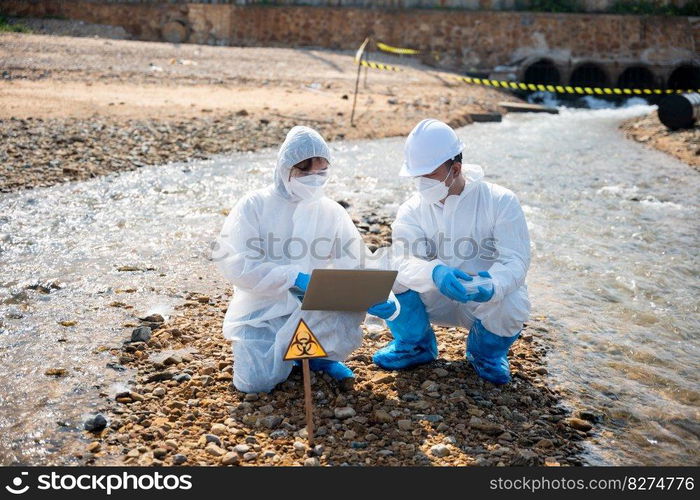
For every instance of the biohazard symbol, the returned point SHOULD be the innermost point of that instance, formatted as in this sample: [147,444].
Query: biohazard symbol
[304,345]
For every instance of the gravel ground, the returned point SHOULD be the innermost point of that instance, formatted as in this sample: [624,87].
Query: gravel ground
[683,144]
[183,410]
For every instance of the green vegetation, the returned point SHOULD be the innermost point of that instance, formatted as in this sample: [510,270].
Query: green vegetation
[550,6]
[7,27]
[655,8]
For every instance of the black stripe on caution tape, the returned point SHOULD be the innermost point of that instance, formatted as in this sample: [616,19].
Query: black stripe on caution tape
[567,89]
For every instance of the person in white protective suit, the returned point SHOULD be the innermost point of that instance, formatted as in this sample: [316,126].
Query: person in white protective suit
[271,241]
[455,230]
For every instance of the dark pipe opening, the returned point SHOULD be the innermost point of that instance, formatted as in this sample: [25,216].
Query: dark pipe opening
[636,77]
[588,75]
[685,77]
[542,71]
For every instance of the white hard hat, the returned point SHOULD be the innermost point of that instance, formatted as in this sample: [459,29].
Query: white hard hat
[430,144]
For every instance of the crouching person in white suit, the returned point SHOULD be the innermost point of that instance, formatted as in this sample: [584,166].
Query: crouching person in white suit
[271,241]
[456,229]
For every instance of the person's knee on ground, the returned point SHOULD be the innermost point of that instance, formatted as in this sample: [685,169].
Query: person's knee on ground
[414,340]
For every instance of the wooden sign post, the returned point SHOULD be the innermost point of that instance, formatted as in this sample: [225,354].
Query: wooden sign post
[305,346]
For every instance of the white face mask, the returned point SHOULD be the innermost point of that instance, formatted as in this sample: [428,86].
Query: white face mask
[309,187]
[432,190]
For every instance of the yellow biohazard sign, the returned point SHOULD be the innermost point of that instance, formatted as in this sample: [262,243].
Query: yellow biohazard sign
[304,345]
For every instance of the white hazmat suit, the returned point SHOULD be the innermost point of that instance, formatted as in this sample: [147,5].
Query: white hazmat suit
[271,236]
[481,229]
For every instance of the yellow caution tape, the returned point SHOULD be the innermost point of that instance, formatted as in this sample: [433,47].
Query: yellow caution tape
[566,89]
[375,65]
[559,89]
[396,50]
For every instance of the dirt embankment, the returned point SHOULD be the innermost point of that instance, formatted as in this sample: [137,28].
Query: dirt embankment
[73,108]
[183,409]
[683,144]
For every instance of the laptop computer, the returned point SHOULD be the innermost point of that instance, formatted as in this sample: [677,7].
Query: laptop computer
[347,289]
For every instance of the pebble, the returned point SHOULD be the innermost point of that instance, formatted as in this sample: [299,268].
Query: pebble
[405,424]
[250,456]
[219,429]
[383,378]
[211,438]
[441,372]
[159,392]
[160,453]
[214,450]
[271,421]
[95,423]
[179,459]
[579,424]
[439,450]
[241,448]
[312,462]
[382,417]
[344,413]
[94,447]
[141,334]
[230,458]
[182,377]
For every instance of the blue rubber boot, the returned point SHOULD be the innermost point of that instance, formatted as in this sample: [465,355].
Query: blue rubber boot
[488,353]
[414,339]
[335,369]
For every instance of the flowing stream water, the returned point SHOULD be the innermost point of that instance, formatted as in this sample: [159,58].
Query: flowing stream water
[614,230]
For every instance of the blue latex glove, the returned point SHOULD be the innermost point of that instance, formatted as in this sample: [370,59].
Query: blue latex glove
[383,310]
[484,294]
[302,281]
[447,280]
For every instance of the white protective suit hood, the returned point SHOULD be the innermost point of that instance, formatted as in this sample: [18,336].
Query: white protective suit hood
[300,144]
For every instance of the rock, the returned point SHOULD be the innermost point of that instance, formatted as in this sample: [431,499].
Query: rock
[95,423]
[430,386]
[405,425]
[589,415]
[153,318]
[141,334]
[382,417]
[312,462]
[299,448]
[439,450]
[158,392]
[214,450]
[525,458]
[250,397]
[544,443]
[441,372]
[94,447]
[179,459]
[56,372]
[279,434]
[160,453]
[271,421]
[231,458]
[161,376]
[182,377]
[541,370]
[358,445]
[344,413]
[241,448]
[579,424]
[383,378]
[250,456]
[349,434]
[211,438]
[551,462]
[219,429]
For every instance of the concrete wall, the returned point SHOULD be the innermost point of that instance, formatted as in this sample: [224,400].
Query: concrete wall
[457,40]
[583,5]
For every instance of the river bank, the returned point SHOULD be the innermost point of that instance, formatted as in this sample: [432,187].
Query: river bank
[74,108]
[183,410]
[683,144]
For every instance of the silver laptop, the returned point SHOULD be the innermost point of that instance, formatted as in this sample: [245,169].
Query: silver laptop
[347,289]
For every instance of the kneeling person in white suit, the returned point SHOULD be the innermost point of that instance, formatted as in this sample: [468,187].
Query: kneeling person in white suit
[271,241]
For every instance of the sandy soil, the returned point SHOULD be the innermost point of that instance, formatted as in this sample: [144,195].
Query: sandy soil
[683,144]
[55,88]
